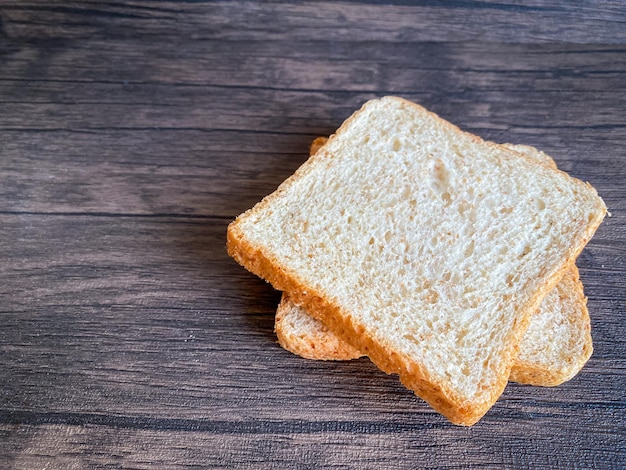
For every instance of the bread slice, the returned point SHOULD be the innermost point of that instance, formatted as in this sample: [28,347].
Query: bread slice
[555,347]
[421,245]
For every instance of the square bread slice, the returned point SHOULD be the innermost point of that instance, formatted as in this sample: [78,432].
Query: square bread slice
[421,245]
[555,347]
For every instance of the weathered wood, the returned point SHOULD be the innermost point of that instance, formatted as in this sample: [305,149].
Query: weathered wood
[131,133]
[599,22]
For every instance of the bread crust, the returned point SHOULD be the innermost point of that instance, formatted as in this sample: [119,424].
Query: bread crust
[325,346]
[457,409]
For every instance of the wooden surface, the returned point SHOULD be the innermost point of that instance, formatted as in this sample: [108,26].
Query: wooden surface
[132,133]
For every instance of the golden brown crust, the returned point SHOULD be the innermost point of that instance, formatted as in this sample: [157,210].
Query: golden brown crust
[324,347]
[317,144]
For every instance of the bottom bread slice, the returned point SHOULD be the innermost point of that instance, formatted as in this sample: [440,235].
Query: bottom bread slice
[555,347]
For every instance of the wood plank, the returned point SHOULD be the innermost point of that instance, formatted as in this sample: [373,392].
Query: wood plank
[584,22]
[285,444]
[315,65]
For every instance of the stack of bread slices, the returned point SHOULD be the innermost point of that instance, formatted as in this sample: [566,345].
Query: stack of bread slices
[445,259]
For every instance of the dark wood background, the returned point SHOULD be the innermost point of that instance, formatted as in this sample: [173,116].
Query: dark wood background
[132,133]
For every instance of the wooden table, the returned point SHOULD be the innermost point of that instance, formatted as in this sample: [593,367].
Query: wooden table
[132,133]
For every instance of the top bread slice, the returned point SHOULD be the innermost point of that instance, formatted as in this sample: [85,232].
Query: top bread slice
[555,347]
[421,245]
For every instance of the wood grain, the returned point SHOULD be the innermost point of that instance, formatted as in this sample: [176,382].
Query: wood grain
[132,133]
